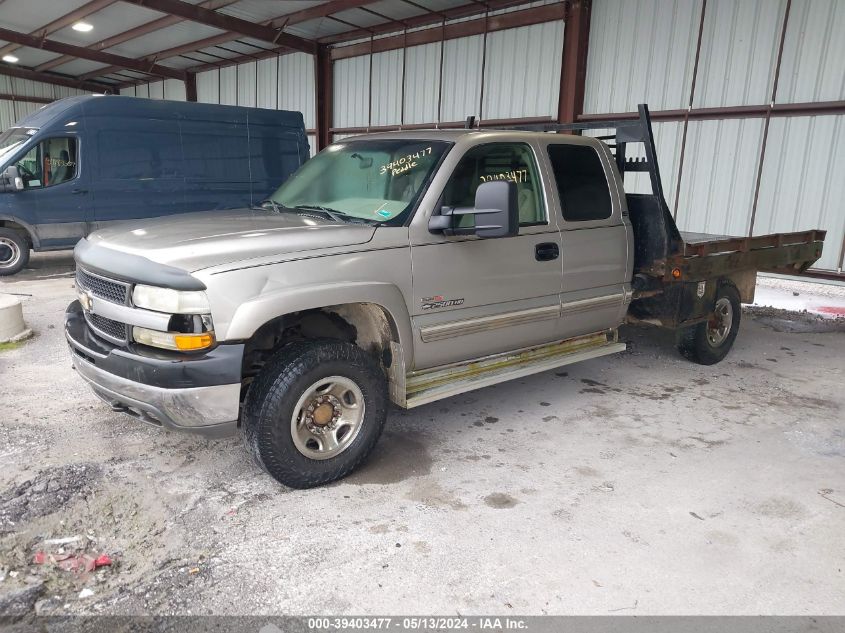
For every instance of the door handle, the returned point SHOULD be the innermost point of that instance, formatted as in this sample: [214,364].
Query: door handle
[78,191]
[546,252]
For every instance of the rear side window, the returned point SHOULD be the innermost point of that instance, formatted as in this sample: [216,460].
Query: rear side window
[581,183]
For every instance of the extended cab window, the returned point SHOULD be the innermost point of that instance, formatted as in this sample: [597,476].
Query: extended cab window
[581,183]
[49,163]
[513,162]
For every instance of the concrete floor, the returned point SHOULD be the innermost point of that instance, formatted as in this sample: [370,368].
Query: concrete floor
[633,484]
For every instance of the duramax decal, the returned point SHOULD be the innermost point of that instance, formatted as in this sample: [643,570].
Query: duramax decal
[439,301]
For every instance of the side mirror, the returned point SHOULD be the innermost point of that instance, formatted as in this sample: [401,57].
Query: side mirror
[496,212]
[12,180]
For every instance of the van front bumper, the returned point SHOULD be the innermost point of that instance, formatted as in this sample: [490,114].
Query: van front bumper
[193,393]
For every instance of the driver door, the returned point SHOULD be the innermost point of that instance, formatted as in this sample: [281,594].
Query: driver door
[59,190]
[474,297]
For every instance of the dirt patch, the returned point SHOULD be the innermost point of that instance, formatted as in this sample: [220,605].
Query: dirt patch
[795,322]
[396,458]
[47,492]
[500,500]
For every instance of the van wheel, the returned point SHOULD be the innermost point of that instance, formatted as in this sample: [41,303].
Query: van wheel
[14,252]
[315,412]
[709,342]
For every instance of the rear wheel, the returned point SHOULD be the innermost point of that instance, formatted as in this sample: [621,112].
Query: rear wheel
[315,412]
[709,342]
[14,252]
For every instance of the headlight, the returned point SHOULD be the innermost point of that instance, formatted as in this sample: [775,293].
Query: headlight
[173,340]
[171,301]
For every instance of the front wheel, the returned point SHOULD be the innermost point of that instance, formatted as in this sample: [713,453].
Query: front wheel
[14,252]
[315,412]
[709,342]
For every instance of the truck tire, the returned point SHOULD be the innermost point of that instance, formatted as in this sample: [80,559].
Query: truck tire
[14,252]
[709,342]
[315,412]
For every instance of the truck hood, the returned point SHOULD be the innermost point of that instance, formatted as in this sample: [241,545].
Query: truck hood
[193,241]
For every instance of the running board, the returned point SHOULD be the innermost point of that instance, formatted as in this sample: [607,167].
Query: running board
[434,384]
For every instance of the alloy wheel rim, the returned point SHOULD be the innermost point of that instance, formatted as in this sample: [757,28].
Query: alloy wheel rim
[10,252]
[327,417]
[719,324]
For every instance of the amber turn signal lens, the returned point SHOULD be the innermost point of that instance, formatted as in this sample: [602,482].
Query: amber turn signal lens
[187,342]
[676,273]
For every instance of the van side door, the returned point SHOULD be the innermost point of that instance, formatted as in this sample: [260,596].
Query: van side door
[597,261]
[475,297]
[56,199]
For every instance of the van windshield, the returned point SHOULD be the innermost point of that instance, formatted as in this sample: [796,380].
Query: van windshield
[378,181]
[12,139]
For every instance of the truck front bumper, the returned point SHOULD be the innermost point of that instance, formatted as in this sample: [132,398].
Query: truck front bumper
[193,393]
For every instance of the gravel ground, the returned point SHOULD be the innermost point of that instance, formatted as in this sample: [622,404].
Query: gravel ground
[634,484]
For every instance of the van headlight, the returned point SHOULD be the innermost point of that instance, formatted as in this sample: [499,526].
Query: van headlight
[170,301]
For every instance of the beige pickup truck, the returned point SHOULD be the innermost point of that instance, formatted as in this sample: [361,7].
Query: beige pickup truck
[402,267]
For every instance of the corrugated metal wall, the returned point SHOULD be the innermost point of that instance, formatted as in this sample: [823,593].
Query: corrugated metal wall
[285,82]
[521,68]
[13,111]
[644,51]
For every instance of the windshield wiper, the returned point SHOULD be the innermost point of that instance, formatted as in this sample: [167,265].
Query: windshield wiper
[334,214]
[272,203]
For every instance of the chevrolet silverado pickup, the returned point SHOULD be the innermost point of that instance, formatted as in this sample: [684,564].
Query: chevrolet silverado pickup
[401,267]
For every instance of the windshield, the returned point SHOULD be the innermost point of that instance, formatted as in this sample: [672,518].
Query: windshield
[12,139]
[379,181]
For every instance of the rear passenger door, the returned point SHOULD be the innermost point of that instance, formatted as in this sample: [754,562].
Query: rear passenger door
[594,238]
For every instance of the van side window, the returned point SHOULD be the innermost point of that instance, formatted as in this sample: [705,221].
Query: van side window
[49,163]
[498,161]
[581,183]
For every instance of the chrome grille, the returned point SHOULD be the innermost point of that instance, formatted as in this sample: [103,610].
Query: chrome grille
[114,331]
[108,289]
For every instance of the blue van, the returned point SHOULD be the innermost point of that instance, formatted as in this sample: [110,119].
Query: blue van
[81,163]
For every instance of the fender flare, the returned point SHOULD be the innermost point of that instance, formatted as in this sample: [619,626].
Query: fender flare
[33,236]
[252,314]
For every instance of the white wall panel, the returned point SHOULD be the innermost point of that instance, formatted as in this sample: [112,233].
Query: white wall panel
[228,78]
[156,90]
[351,92]
[267,88]
[13,111]
[246,84]
[522,71]
[296,86]
[720,169]
[386,88]
[422,83]
[174,90]
[641,51]
[461,78]
[738,52]
[802,185]
[208,87]
[813,66]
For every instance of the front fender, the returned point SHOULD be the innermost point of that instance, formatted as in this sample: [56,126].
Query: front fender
[252,314]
